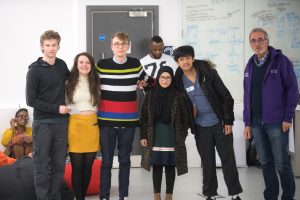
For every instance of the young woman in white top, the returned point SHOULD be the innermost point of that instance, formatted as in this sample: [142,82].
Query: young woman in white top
[82,94]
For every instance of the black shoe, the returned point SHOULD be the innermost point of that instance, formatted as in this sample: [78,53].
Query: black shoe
[236,198]
[209,198]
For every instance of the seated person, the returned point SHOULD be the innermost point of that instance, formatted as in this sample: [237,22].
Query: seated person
[18,138]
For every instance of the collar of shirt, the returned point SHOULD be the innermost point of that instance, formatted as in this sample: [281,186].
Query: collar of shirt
[115,60]
[260,62]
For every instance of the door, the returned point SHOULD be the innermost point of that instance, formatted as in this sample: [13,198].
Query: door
[141,24]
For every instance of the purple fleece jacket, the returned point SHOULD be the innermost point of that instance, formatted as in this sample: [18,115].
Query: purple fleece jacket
[279,90]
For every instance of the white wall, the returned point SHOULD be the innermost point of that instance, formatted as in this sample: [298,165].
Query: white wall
[22,23]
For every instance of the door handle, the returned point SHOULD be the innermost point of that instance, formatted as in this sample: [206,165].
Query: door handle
[102,55]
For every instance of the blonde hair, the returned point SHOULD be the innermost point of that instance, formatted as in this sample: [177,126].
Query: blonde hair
[48,35]
[121,35]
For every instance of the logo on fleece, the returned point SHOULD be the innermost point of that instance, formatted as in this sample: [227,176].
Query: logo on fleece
[274,71]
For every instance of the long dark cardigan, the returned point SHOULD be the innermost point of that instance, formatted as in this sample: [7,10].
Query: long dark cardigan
[179,120]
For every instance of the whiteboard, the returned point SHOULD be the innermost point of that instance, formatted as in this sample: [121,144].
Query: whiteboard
[281,19]
[219,31]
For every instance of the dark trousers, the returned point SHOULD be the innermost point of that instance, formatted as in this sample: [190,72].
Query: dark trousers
[49,158]
[109,137]
[207,138]
[157,178]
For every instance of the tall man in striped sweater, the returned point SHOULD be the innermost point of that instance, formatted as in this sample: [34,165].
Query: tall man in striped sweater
[118,112]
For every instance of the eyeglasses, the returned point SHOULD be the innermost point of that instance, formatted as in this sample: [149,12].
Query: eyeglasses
[23,117]
[167,78]
[123,44]
[259,41]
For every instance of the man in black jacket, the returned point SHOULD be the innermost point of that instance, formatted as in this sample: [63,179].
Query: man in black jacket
[45,92]
[211,119]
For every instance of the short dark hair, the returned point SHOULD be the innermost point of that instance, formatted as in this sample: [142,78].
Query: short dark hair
[20,110]
[181,51]
[157,39]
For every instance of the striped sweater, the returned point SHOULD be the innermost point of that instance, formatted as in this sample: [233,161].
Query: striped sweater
[118,105]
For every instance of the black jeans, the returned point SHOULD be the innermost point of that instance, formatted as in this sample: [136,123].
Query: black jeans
[207,138]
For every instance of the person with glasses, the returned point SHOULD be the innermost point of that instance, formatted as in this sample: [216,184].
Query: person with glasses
[164,124]
[18,138]
[270,99]
[210,106]
[118,111]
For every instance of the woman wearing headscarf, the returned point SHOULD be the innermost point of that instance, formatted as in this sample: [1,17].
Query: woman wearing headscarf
[164,124]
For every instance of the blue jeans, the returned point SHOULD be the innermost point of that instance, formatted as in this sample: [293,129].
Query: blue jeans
[109,136]
[272,149]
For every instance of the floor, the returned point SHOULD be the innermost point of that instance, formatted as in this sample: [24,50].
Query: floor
[188,186]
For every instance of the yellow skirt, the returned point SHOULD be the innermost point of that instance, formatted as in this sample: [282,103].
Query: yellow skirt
[83,134]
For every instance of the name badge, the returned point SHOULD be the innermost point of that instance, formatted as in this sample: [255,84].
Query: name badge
[189,89]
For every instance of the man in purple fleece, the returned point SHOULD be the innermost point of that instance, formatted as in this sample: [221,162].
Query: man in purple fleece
[270,98]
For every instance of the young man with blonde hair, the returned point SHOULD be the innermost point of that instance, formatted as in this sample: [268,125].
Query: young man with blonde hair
[118,112]
[45,92]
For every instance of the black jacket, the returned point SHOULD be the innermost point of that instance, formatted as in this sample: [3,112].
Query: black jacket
[17,183]
[45,88]
[16,180]
[216,92]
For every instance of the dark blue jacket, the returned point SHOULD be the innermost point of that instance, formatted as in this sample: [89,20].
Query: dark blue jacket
[279,90]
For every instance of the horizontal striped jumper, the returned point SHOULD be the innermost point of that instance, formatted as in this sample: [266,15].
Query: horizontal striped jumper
[118,105]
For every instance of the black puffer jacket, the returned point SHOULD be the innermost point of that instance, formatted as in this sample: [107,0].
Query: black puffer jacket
[216,92]
[179,120]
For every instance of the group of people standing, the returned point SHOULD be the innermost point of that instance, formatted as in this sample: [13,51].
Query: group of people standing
[69,113]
